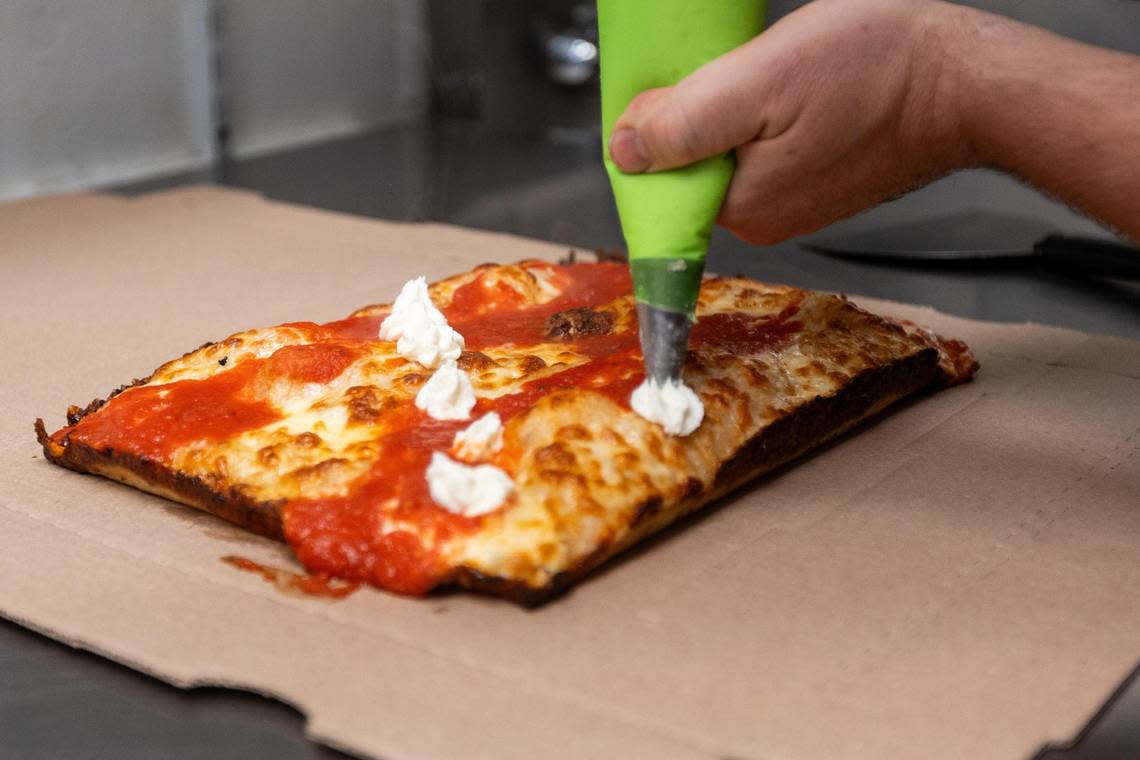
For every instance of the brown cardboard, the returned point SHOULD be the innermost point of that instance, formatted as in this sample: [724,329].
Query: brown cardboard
[959,579]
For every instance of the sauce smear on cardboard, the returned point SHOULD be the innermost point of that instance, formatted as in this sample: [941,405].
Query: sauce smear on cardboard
[293,582]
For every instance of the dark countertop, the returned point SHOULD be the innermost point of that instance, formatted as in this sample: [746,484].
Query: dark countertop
[61,703]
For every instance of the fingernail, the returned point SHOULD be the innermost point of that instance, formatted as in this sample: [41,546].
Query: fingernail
[627,151]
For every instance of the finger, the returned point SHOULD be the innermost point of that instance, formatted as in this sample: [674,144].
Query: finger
[627,146]
[707,113]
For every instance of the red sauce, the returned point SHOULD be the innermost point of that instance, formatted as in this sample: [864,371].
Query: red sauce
[311,362]
[744,333]
[344,536]
[355,328]
[153,421]
[488,315]
[295,583]
[480,297]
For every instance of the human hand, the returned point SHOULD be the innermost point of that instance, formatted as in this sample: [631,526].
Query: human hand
[840,105]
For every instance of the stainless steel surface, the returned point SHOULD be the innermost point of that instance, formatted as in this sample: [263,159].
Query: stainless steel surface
[966,236]
[980,238]
[664,342]
[60,703]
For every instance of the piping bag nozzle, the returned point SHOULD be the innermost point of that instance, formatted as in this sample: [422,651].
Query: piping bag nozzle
[664,339]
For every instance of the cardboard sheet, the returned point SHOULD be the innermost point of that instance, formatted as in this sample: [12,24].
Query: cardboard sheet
[958,579]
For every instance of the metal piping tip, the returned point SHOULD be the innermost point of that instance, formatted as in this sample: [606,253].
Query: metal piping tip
[664,341]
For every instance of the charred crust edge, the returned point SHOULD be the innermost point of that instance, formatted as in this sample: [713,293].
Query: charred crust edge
[613,256]
[261,517]
[75,414]
[827,416]
[530,596]
[957,363]
[648,509]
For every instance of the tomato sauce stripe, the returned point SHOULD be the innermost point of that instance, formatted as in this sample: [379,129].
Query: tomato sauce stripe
[343,536]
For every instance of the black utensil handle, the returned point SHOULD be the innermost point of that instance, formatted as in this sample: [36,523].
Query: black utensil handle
[1089,256]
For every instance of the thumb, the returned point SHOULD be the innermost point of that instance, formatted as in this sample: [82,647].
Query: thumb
[705,114]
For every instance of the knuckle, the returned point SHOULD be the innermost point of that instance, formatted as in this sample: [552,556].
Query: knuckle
[666,128]
[640,107]
[641,102]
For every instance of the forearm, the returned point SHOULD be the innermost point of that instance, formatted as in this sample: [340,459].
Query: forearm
[1061,115]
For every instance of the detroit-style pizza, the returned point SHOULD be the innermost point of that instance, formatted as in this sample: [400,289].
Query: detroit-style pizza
[478,432]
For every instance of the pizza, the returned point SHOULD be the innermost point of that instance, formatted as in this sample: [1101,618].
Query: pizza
[478,432]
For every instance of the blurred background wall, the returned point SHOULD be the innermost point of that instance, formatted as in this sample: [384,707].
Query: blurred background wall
[297,71]
[109,91]
[94,93]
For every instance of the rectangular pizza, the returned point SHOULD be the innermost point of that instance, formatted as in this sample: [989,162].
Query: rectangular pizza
[479,432]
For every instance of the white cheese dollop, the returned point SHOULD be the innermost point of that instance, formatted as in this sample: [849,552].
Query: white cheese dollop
[467,490]
[480,439]
[448,394]
[420,330]
[674,406]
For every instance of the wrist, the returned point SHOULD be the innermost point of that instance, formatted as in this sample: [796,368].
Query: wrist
[945,107]
[978,47]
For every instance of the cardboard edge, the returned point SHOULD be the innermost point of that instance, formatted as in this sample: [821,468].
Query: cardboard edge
[1111,702]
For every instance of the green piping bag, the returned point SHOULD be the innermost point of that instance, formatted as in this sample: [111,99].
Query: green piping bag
[666,217]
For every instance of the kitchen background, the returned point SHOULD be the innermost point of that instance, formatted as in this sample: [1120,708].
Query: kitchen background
[99,94]
[477,112]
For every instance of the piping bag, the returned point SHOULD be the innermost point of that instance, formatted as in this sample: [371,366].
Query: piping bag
[666,217]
